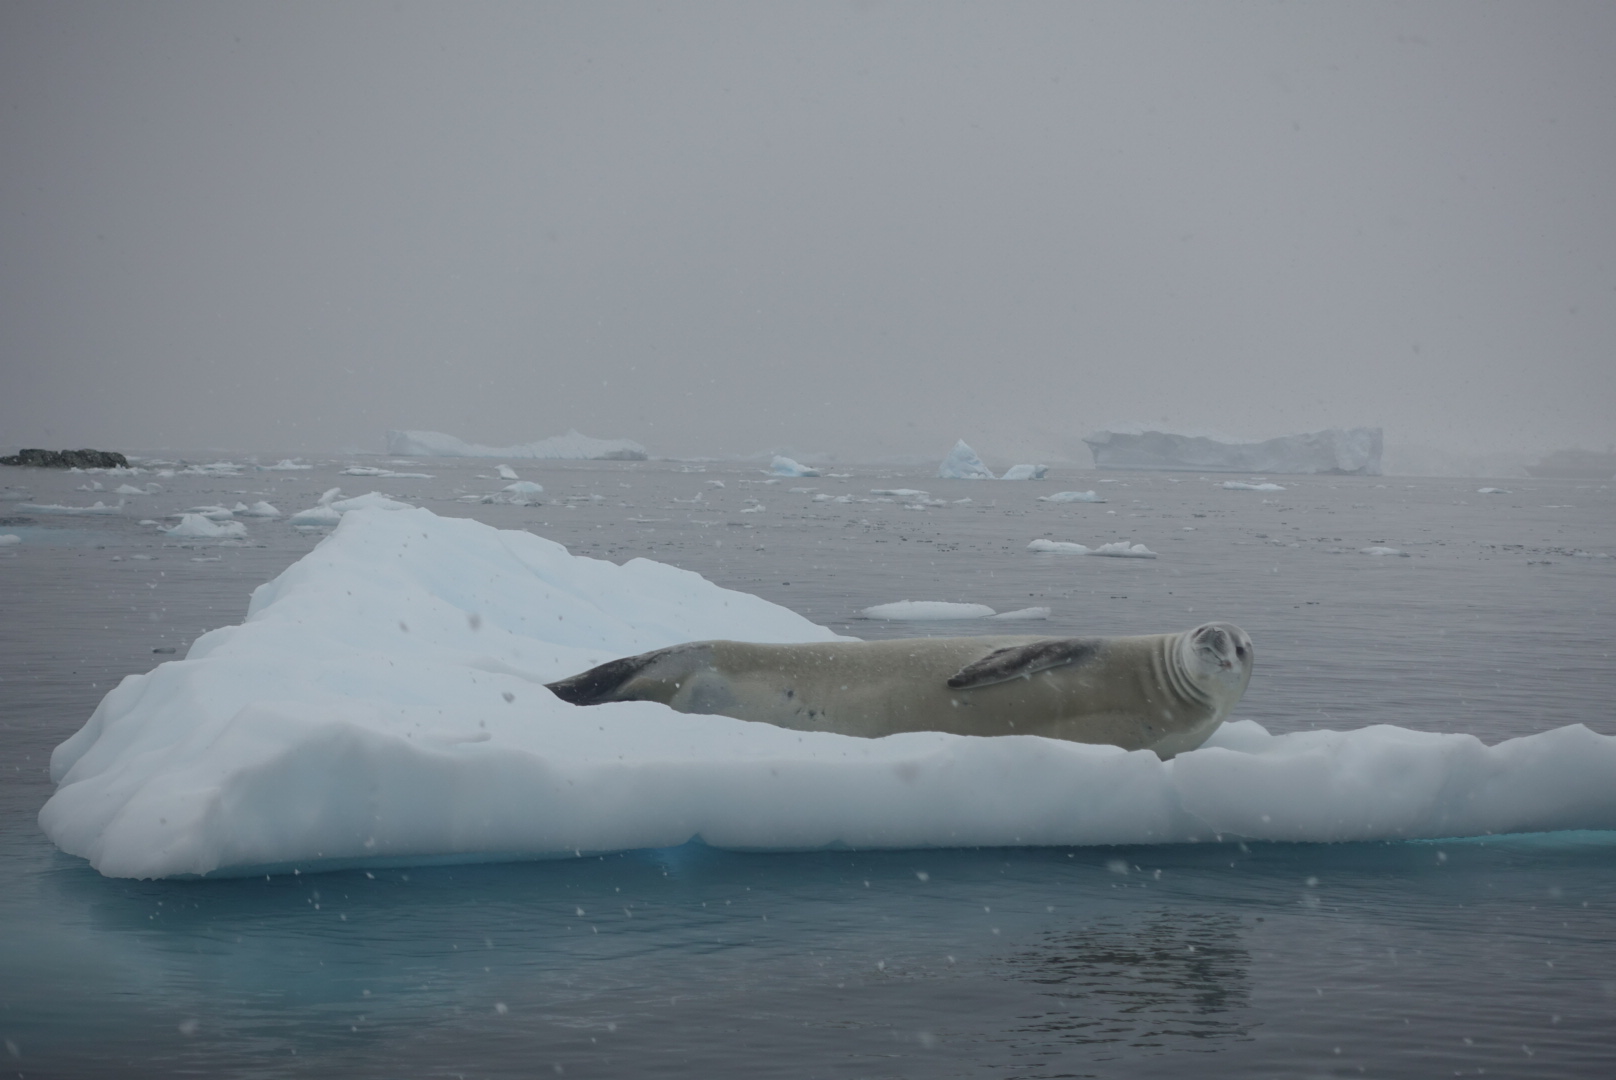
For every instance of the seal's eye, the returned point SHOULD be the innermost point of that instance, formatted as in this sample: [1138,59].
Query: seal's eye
[1240,651]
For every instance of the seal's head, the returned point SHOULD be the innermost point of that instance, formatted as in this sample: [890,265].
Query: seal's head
[1218,657]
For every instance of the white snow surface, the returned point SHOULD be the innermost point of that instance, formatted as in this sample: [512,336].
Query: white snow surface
[381,705]
[963,464]
[784,466]
[1071,497]
[569,447]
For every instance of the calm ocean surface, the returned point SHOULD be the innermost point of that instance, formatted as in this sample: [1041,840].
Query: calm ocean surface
[1494,957]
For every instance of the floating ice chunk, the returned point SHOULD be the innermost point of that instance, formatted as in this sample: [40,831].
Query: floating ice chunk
[213,513]
[506,472]
[54,508]
[1025,472]
[1029,614]
[757,508]
[217,468]
[720,483]
[901,493]
[1071,497]
[374,471]
[784,466]
[1380,549]
[200,527]
[963,464]
[7,539]
[1061,547]
[260,509]
[286,465]
[1237,485]
[1124,550]
[569,447]
[360,714]
[130,489]
[823,497]
[521,493]
[925,611]
[1119,550]
[1494,491]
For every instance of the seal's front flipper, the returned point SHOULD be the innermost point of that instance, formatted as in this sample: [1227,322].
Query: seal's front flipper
[1024,661]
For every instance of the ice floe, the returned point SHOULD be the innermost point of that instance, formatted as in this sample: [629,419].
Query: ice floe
[376,471]
[1238,485]
[1121,549]
[1381,549]
[1071,497]
[382,704]
[569,447]
[56,508]
[329,510]
[1494,491]
[926,611]
[506,472]
[784,466]
[286,465]
[521,493]
[7,539]
[259,509]
[198,526]
[963,464]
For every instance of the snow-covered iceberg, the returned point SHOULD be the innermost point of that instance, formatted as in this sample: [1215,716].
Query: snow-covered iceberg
[569,447]
[382,703]
[963,464]
[1354,451]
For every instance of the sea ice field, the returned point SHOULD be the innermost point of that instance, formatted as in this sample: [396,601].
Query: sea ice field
[287,795]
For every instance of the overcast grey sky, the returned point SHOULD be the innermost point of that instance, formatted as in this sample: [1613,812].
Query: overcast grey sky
[863,228]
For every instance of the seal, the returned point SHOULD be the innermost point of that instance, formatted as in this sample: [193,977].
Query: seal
[1163,692]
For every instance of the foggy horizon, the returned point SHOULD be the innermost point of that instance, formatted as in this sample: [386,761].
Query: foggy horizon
[862,230]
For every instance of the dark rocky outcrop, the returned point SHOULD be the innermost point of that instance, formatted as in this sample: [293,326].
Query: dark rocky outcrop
[68,459]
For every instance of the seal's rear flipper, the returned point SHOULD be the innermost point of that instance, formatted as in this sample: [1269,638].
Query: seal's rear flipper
[611,680]
[598,684]
[1024,661]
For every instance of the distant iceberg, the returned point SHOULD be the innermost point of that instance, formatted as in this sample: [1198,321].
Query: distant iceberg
[569,447]
[1351,452]
[784,466]
[963,464]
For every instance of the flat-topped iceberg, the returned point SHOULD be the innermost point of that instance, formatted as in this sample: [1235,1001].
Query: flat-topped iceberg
[569,447]
[383,704]
[1355,451]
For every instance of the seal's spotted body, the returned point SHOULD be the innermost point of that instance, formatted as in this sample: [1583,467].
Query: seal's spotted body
[1165,692]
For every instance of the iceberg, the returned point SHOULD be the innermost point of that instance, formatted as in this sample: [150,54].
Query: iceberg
[329,510]
[963,464]
[382,704]
[1025,472]
[784,466]
[569,447]
[1351,452]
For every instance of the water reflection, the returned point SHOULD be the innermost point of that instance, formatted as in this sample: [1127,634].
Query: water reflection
[1167,979]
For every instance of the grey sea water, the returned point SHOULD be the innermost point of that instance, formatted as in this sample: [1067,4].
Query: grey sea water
[1488,957]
